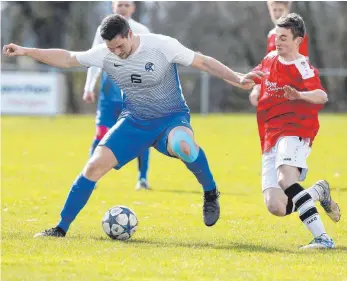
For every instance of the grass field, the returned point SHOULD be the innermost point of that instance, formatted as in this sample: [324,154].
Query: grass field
[42,156]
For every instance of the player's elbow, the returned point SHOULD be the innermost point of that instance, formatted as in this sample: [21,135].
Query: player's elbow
[69,63]
[254,95]
[201,62]
[253,99]
[66,65]
[323,97]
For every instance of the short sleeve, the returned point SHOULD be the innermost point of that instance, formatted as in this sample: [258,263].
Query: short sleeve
[175,52]
[313,83]
[93,57]
[97,38]
[259,67]
[145,30]
[309,75]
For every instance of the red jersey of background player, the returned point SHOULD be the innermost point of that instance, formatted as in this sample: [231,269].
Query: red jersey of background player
[278,116]
[303,49]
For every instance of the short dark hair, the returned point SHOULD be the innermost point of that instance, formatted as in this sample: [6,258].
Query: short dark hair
[114,25]
[294,22]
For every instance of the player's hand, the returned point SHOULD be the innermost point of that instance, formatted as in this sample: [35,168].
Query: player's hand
[89,97]
[13,50]
[251,77]
[291,94]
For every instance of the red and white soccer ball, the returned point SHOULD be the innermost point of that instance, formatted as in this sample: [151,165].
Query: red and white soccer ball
[119,223]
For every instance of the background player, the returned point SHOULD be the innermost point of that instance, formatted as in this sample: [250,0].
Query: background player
[290,97]
[110,103]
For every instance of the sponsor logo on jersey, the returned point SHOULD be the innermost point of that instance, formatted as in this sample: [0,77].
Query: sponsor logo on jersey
[149,67]
[272,86]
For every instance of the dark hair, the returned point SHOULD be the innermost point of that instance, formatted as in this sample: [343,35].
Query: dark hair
[114,25]
[294,22]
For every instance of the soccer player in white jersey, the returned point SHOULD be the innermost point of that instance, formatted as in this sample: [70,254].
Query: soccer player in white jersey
[110,103]
[155,112]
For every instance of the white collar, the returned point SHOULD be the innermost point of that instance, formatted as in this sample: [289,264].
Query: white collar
[298,60]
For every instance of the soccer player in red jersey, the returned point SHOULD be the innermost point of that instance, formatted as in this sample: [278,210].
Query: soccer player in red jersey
[276,10]
[291,95]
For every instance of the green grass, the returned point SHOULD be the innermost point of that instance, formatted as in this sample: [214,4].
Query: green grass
[42,156]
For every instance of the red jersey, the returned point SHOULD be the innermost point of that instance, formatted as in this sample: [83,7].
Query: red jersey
[276,115]
[303,49]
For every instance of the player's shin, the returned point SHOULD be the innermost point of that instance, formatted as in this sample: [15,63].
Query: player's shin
[80,192]
[200,168]
[143,164]
[303,203]
[183,146]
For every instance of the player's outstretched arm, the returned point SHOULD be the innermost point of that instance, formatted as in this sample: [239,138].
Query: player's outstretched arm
[218,69]
[317,96]
[54,57]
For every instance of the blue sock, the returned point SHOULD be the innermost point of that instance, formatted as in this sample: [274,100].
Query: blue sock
[79,194]
[93,146]
[143,164]
[202,172]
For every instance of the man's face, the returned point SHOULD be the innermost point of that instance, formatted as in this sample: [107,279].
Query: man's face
[120,46]
[123,8]
[285,44]
[277,10]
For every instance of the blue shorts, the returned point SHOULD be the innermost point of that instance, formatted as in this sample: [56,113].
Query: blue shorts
[107,113]
[110,104]
[130,137]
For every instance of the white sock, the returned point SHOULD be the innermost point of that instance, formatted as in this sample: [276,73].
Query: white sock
[308,213]
[315,191]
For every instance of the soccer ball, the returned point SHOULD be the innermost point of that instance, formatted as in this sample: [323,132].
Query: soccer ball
[119,223]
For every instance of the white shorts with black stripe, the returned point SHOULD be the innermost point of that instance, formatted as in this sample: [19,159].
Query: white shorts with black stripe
[291,151]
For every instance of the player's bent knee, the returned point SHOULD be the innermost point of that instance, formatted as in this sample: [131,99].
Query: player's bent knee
[276,208]
[100,163]
[93,171]
[275,201]
[182,144]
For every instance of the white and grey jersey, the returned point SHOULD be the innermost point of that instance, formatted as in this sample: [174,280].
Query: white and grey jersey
[94,72]
[137,27]
[148,77]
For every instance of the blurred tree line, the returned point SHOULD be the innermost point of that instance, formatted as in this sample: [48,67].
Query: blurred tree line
[232,32]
